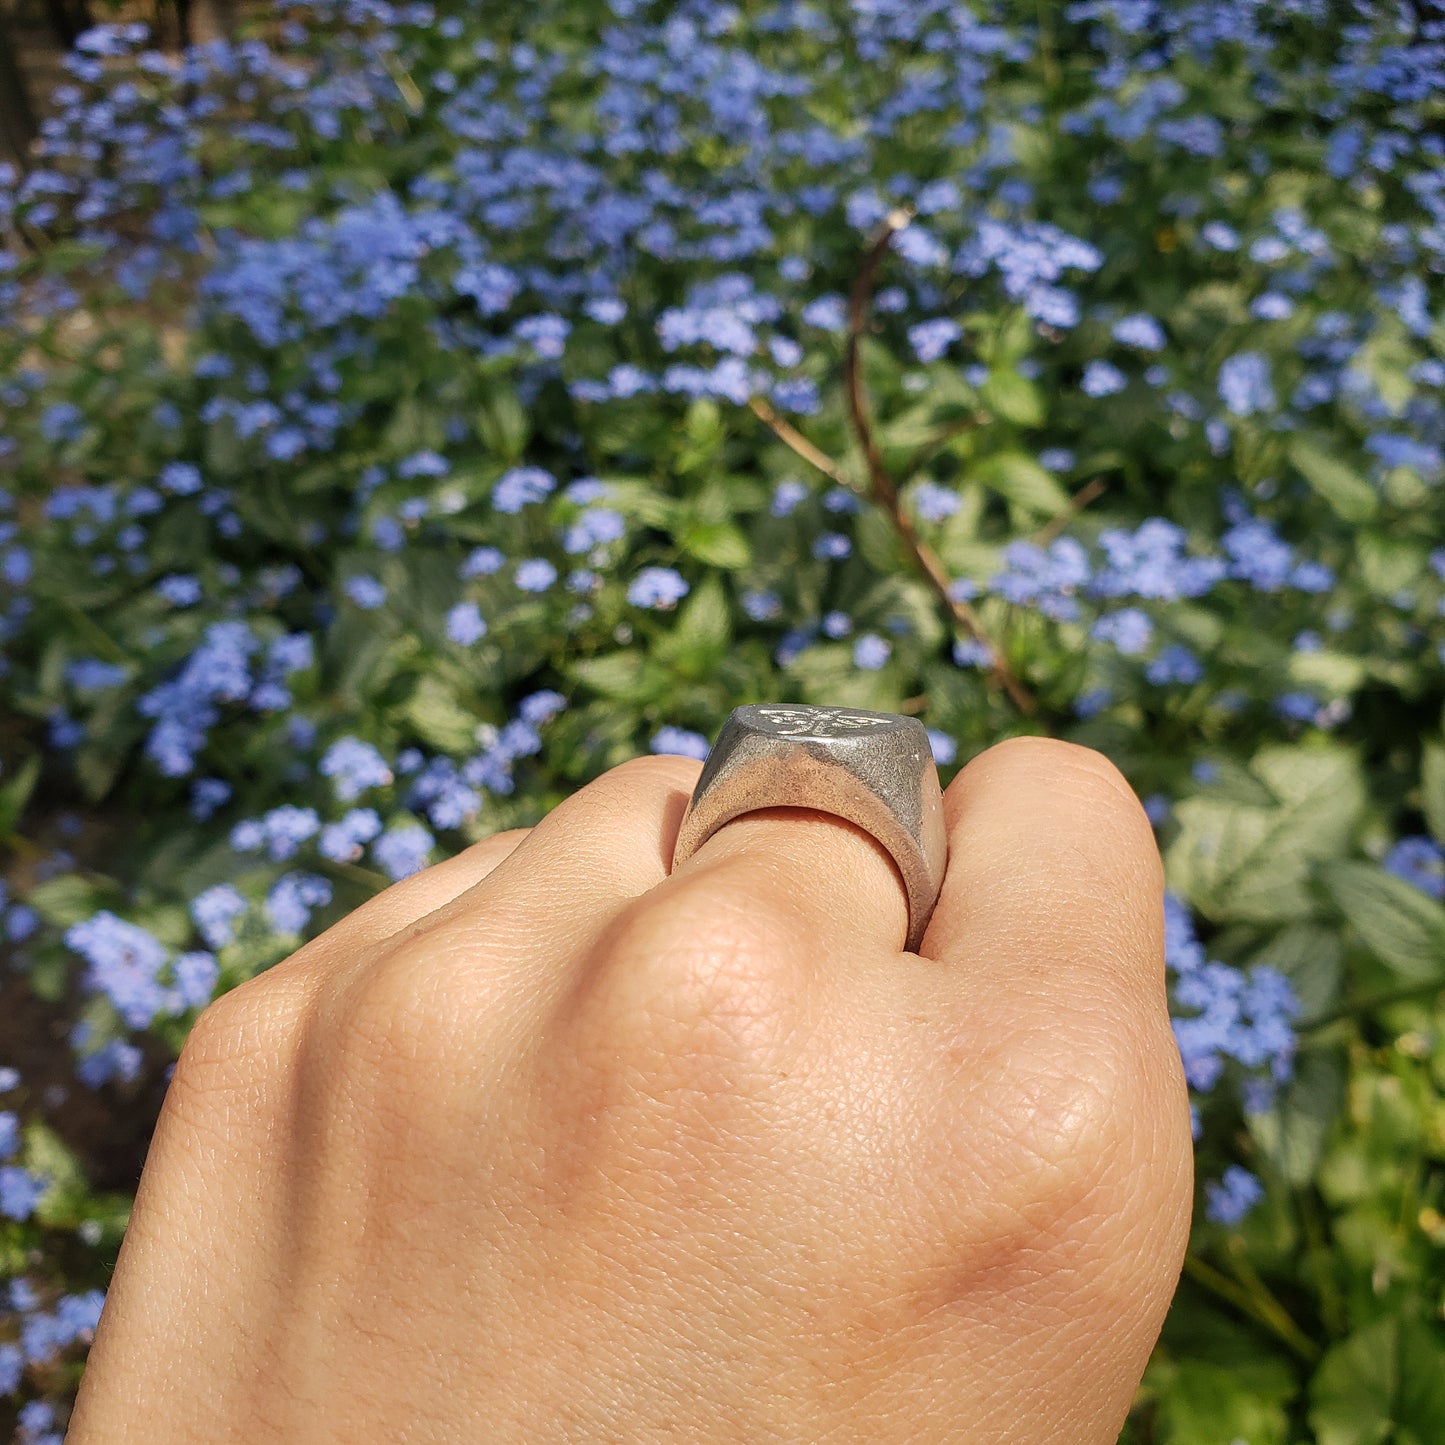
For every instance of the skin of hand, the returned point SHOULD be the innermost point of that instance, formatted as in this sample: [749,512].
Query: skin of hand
[544,1144]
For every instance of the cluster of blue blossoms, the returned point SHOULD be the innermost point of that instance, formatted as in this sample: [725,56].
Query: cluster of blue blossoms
[325,584]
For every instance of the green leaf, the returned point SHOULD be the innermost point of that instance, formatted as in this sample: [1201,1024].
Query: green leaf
[1386,1382]
[1291,1133]
[1330,672]
[71,898]
[1395,920]
[641,501]
[716,544]
[46,1154]
[1312,958]
[626,675]
[16,791]
[1351,496]
[1240,863]
[1015,399]
[1201,1402]
[699,642]
[1432,789]
[1019,478]
[435,712]
[1388,563]
[503,425]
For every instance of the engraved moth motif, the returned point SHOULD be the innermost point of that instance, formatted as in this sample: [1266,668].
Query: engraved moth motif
[818,721]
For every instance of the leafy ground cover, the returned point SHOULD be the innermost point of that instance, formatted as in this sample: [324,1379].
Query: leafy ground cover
[412,411]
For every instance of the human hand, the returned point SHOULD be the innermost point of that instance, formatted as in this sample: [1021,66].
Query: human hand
[544,1144]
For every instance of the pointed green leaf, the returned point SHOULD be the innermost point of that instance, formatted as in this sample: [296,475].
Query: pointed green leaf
[1312,958]
[1019,478]
[1239,863]
[716,544]
[1014,398]
[70,898]
[1351,496]
[435,712]
[1291,1133]
[699,642]
[16,791]
[1395,920]
[1386,1382]
[1432,789]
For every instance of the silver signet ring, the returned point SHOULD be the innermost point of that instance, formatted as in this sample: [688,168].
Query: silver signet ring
[873,768]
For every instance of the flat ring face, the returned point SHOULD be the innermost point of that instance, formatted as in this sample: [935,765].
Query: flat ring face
[875,769]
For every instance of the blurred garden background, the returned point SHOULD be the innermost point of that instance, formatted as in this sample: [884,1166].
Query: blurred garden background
[409,411]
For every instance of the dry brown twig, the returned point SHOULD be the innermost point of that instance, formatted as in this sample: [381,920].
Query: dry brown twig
[1081,499]
[882,488]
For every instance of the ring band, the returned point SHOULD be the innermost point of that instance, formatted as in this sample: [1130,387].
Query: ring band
[874,769]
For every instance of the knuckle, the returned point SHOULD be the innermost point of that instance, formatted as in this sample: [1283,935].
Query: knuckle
[1079,1137]
[237,1056]
[620,790]
[1055,761]
[697,971]
[404,1026]
[1088,779]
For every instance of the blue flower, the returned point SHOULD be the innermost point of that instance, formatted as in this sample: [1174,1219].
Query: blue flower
[535,574]
[90,672]
[1151,562]
[762,606]
[196,975]
[520,487]
[465,624]
[290,901]
[930,339]
[354,766]
[180,479]
[1258,555]
[1419,861]
[124,962]
[679,741]
[12,1366]
[366,592]
[1244,384]
[21,922]
[832,546]
[20,1191]
[593,528]
[423,464]
[934,503]
[481,562]
[1175,664]
[943,747]
[9,1134]
[344,841]
[787,495]
[1045,579]
[1129,629]
[658,587]
[180,589]
[215,911]
[1139,330]
[970,652]
[1233,1196]
[538,708]
[1220,236]
[828,313]
[1102,378]
[870,652]
[402,851]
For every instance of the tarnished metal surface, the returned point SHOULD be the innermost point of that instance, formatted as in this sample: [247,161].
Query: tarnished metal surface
[875,769]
